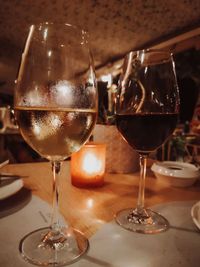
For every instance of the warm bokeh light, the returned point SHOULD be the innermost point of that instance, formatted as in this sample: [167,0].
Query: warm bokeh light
[91,164]
[88,165]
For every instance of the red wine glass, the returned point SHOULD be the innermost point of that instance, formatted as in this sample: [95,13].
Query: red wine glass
[147,107]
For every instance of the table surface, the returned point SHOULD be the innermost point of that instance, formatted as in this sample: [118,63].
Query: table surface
[89,209]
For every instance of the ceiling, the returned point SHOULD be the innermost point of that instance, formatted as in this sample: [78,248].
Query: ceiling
[115,27]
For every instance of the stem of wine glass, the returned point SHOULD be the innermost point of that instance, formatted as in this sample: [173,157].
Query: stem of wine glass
[141,193]
[56,166]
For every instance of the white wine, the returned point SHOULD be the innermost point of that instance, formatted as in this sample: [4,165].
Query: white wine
[55,133]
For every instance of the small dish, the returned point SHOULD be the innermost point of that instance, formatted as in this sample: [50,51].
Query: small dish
[178,174]
[195,213]
[10,188]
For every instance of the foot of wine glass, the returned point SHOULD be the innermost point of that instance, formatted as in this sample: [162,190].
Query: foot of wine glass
[57,245]
[140,219]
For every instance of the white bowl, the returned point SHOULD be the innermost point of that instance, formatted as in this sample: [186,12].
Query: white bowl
[178,174]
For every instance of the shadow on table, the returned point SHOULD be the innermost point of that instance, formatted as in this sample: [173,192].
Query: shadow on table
[15,202]
[98,261]
[178,228]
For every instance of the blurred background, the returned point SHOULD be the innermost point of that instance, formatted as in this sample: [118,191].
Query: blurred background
[115,27]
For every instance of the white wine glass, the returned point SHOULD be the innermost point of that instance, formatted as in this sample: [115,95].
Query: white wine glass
[55,103]
[146,116]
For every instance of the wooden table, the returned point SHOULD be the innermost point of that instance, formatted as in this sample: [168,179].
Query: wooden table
[88,209]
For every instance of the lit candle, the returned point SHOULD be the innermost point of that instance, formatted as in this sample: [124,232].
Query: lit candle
[88,165]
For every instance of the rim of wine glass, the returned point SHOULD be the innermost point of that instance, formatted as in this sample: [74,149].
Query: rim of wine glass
[153,50]
[82,31]
[167,55]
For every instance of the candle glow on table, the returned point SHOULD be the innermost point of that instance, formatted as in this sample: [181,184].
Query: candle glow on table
[88,165]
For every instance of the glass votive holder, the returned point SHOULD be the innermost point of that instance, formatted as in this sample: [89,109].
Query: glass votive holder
[88,165]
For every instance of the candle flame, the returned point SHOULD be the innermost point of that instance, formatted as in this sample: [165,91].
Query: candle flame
[91,164]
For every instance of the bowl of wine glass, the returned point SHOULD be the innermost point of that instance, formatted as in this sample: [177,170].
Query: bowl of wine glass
[177,174]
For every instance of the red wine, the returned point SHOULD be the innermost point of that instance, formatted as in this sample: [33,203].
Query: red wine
[145,132]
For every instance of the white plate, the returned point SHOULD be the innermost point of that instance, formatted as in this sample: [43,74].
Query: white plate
[7,190]
[195,213]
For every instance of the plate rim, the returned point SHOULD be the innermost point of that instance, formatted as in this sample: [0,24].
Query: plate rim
[196,222]
[11,189]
